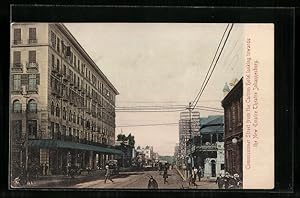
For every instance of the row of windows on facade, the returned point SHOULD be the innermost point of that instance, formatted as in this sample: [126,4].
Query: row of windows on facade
[78,119]
[31,106]
[81,101]
[18,36]
[29,80]
[55,128]
[76,63]
[17,60]
[234,114]
[79,81]
[62,88]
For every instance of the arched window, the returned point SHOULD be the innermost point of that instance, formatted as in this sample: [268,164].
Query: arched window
[32,106]
[52,108]
[70,115]
[57,111]
[64,113]
[17,106]
[74,117]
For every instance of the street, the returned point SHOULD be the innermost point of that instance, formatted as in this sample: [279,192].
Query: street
[131,180]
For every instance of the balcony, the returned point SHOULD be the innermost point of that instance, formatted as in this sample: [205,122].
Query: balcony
[17,42]
[17,67]
[32,89]
[32,67]
[66,78]
[32,41]
[54,70]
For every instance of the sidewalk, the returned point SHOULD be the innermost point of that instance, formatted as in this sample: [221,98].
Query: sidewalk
[61,181]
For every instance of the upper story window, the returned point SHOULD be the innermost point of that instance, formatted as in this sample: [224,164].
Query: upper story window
[75,60]
[17,59]
[32,35]
[58,45]
[32,82]
[16,82]
[17,36]
[52,108]
[53,61]
[32,106]
[57,111]
[64,113]
[53,39]
[17,106]
[32,56]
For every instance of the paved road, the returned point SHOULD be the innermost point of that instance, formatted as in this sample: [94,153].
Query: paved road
[139,180]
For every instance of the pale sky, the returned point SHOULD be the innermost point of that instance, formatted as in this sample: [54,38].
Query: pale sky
[161,64]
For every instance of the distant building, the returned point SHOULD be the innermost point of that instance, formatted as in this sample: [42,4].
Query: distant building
[233,140]
[185,134]
[207,148]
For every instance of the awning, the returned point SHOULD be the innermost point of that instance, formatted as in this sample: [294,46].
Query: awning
[71,145]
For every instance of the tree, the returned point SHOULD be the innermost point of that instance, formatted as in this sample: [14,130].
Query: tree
[129,138]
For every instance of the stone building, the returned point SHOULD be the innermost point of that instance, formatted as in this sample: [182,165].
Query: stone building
[233,135]
[62,105]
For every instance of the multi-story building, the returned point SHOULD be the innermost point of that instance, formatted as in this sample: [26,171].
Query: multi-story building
[62,105]
[233,136]
[208,147]
[185,133]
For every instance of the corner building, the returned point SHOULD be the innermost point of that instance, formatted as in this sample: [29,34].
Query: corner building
[62,105]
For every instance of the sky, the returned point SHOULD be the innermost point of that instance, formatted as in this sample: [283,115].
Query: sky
[161,64]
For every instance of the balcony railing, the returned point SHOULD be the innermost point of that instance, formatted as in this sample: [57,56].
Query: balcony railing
[17,42]
[32,66]
[32,89]
[32,41]
[17,67]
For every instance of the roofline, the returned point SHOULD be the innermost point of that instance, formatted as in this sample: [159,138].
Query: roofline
[77,45]
[239,83]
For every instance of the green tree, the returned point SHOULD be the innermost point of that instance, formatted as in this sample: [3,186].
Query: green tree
[129,138]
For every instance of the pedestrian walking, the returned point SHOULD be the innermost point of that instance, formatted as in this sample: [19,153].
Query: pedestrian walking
[165,175]
[108,174]
[193,176]
[152,184]
[46,169]
[199,173]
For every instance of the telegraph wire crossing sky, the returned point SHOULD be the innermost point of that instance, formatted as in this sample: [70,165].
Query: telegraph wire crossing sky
[159,65]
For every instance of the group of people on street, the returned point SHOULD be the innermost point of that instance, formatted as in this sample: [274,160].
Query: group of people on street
[194,173]
[228,181]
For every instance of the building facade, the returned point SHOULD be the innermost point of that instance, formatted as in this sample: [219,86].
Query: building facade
[185,134]
[233,137]
[62,105]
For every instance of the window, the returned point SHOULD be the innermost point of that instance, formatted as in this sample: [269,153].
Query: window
[70,116]
[17,106]
[57,64]
[57,111]
[17,128]
[32,57]
[32,82]
[17,59]
[64,113]
[75,60]
[52,109]
[78,65]
[57,128]
[58,44]
[74,117]
[53,61]
[53,39]
[65,69]
[17,36]
[32,35]
[32,106]
[17,82]
[32,128]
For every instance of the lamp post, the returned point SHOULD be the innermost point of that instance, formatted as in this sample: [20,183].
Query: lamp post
[234,142]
